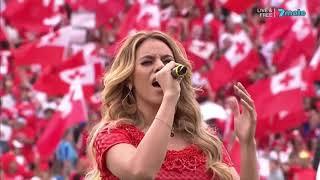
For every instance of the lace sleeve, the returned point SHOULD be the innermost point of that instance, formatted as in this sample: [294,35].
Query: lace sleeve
[105,140]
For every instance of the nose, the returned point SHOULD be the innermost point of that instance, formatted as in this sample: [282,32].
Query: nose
[158,65]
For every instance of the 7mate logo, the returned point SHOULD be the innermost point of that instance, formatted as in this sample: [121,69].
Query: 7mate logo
[285,12]
[279,12]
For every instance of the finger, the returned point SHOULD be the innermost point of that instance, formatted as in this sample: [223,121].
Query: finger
[243,88]
[239,92]
[249,109]
[170,65]
[233,104]
[179,79]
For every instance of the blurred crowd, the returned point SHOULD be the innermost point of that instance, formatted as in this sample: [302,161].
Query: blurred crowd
[25,111]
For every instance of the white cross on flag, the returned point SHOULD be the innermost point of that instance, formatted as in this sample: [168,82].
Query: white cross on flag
[84,74]
[281,92]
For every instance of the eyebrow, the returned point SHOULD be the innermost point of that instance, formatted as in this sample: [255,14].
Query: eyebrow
[152,56]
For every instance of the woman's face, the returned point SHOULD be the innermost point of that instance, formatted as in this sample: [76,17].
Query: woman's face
[151,56]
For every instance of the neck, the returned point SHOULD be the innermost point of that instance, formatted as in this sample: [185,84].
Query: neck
[147,113]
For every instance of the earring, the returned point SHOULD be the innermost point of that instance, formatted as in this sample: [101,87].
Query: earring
[129,93]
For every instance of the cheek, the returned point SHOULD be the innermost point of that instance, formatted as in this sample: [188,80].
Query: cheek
[140,79]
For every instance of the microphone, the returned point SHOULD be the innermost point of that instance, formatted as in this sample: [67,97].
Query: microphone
[179,71]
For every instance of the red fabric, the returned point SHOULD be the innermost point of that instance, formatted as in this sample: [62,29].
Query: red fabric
[2,34]
[62,76]
[237,62]
[29,15]
[140,17]
[300,40]
[313,7]
[32,53]
[238,6]
[189,163]
[303,174]
[282,92]
[71,111]
[104,10]
[199,52]
[276,28]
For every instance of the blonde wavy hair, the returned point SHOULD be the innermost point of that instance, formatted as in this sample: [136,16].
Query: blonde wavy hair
[118,108]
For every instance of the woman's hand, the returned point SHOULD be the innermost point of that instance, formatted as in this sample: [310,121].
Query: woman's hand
[169,85]
[246,120]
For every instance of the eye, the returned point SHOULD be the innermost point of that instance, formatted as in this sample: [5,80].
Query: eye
[167,60]
[146,63]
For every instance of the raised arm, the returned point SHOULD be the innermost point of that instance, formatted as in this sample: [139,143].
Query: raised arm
[127,162]
[245,126]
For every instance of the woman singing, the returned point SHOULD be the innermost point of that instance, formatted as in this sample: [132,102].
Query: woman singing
[152,127]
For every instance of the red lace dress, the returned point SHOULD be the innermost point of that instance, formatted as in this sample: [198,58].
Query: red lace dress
[189,163]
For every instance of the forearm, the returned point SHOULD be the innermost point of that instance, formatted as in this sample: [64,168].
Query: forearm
[249,168]
[153,147]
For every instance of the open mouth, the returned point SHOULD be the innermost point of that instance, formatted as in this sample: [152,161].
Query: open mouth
[155,84]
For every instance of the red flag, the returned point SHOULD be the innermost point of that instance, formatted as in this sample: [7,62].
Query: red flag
[71,111]
[238,6]
[53,43]
[199,52]
[300,41]
[57,80]
[284,120]
[29,15]
[282,92]
[276,28]
[236,63]
[315,64]
[105,10]
[313,7]
[30,53]
[140,17]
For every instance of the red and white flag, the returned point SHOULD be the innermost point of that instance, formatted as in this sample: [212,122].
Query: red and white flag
[285,120]
[70,112]
[56,80]
[144,16]
[282,92]
[199,52]
[104,10]
[53,44]
[236,63]
[300,41]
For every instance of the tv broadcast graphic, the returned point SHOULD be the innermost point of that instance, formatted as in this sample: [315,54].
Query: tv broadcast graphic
[160,89]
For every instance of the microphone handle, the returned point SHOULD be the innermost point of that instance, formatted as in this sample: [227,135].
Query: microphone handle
[179,71]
